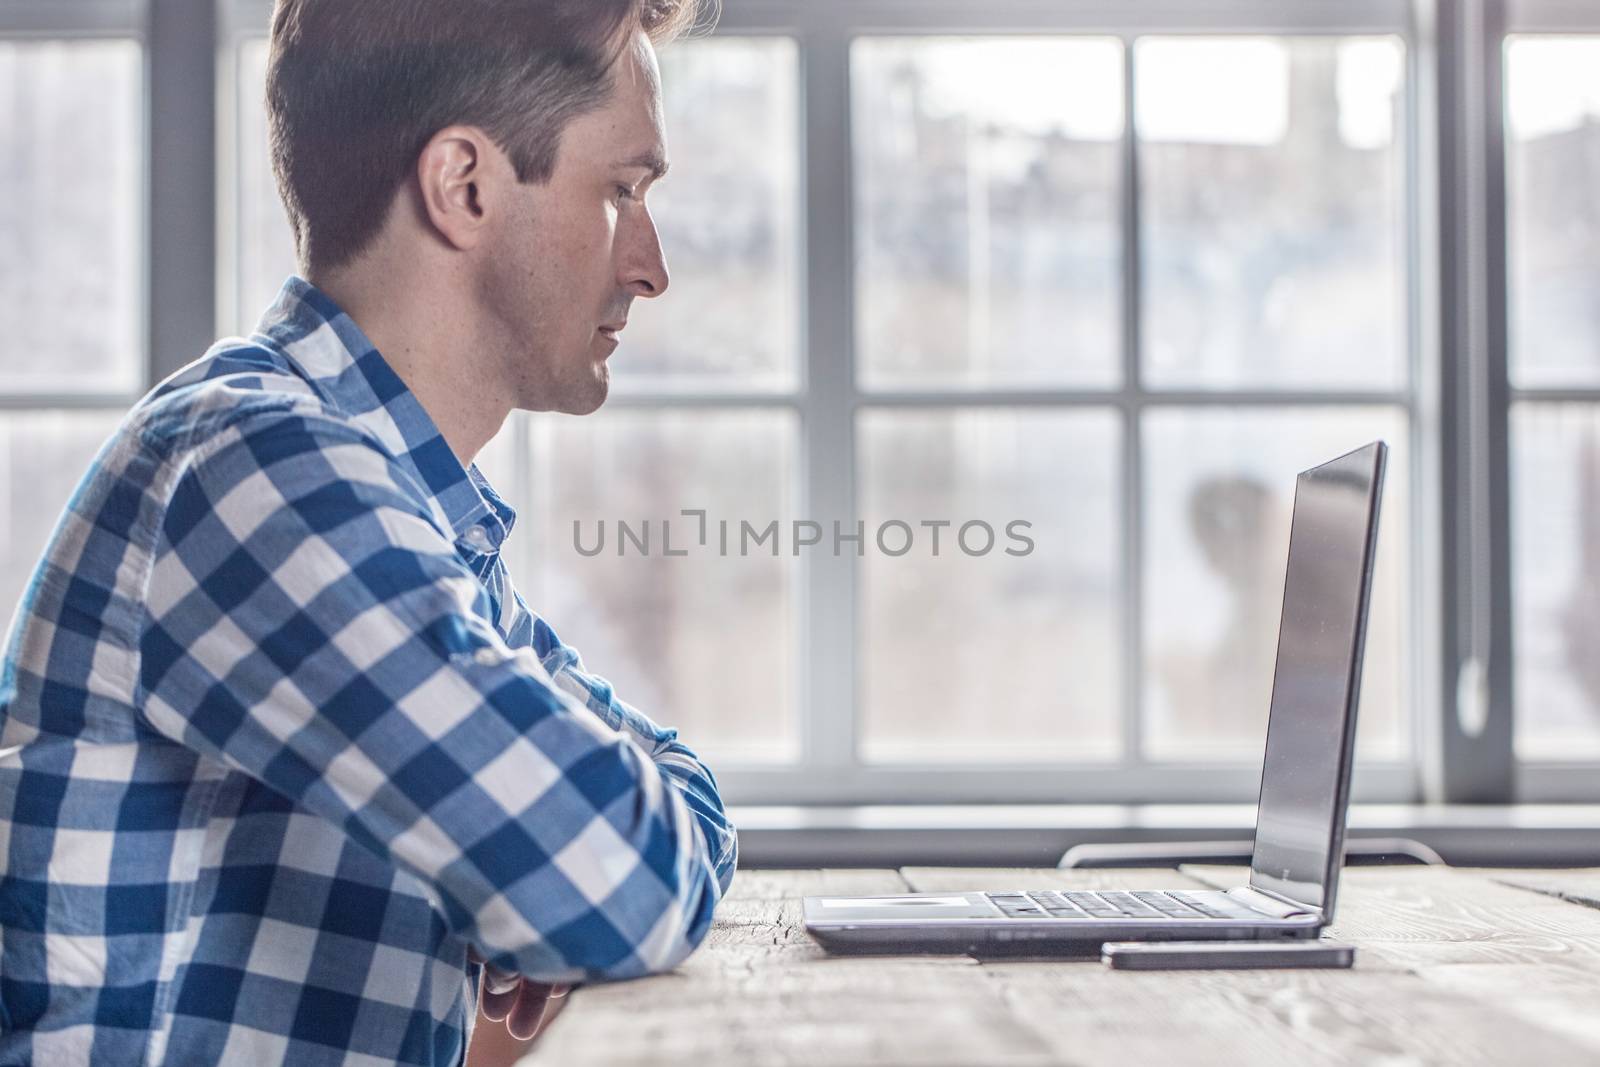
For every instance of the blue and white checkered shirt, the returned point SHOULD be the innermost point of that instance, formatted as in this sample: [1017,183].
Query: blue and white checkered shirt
[279,742]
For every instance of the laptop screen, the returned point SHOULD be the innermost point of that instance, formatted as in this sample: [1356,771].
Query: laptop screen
[1305,777]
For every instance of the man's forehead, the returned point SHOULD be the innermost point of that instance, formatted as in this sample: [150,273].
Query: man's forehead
[639,64]
[636,103]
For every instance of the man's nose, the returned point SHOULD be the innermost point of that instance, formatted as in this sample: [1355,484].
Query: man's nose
[644,265]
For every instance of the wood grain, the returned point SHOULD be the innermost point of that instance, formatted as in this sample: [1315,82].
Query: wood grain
[1578,887]
[1455,967]
[1514,939]
[1444,915]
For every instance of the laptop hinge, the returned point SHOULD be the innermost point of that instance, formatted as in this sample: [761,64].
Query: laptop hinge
[1269,904]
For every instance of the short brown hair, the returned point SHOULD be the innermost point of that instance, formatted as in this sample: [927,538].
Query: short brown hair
[355,89]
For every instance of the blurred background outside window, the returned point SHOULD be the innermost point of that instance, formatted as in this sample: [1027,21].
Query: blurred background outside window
[1121,287]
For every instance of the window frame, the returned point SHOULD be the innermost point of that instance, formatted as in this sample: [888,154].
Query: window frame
[1534,780]
[829,397]
[1455,252]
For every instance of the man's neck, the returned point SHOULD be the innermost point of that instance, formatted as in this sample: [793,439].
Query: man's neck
[425,340]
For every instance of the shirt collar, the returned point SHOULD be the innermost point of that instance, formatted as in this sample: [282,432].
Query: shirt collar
[324,346]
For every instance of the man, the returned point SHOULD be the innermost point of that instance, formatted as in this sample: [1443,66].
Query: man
[284,754]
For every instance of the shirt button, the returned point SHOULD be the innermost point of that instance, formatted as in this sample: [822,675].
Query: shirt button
[486,657]
[477,537]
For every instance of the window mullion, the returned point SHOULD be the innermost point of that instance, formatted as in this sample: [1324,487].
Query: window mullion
[830,619]
[1474,760]
[181,225]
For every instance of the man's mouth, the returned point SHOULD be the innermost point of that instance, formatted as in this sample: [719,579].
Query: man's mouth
[610,331]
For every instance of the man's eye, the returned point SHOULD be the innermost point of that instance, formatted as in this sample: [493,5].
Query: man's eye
[624,193]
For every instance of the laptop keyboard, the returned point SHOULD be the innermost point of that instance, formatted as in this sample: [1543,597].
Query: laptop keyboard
[1105,904]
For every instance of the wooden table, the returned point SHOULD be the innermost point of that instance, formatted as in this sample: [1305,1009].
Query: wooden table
[1453,967]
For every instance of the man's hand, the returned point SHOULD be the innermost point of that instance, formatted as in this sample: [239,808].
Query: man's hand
[525,1006]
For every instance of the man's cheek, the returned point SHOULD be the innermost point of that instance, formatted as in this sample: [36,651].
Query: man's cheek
[583,247]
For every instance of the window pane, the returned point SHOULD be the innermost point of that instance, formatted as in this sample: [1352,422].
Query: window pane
[1018,658]
[1219,490]
[43,454]
[987,211]
[71,200]
[1273,195]
[1555,486]
[729,221]
[1553,215]
[706,641]
[265,241]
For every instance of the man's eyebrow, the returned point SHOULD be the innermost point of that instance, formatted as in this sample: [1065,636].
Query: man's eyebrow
[650,161]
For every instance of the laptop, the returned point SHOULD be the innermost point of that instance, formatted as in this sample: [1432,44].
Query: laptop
[1305,779]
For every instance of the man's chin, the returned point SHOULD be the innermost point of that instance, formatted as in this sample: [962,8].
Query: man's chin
[587,397]
[585,408]
[576,395]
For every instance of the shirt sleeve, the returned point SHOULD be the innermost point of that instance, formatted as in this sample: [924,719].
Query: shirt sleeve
[310,625]
[675,760]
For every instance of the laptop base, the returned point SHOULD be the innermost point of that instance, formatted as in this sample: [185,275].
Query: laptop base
[995,945]
[1047,922]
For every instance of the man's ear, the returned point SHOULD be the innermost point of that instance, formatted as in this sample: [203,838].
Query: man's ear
[457,171]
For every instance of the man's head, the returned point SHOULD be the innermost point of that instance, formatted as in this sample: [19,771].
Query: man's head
[508,144]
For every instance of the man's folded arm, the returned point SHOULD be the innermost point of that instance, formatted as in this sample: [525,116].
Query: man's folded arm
[672,757]
[310,625]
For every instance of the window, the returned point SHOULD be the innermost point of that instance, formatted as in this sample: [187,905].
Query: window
[711,636]
[1218,494]
[986,229]
[1155,455]
[986,211]
[1552,118]
[263,239]
[71,353]
[1103,309]
[1273,208]
[1272,197]
[1022,623]
[69,284]
[1021,320]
